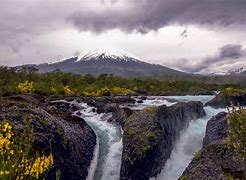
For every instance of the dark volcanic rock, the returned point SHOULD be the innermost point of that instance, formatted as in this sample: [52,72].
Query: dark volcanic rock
[221,100]
[140,101]
[149,137]
[112,105]
[119,115]
[68,137]
[216,159]
[216,130]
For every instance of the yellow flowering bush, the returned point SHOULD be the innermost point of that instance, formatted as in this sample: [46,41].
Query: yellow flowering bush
[26,87]
[67,90]
[120,90]
[16,158]
[101,91]
[92,94]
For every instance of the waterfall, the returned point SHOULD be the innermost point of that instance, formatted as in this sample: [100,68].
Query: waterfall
[189,143]
[93,166]
[107,154]
[107,158]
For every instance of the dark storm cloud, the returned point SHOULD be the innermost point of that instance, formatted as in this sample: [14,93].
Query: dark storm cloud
[146,15]
[228,54]
[231,51]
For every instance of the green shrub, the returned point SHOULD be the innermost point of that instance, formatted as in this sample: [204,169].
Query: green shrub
[14,81]
[237,129]
[198,155]
[183,178]
[44,122]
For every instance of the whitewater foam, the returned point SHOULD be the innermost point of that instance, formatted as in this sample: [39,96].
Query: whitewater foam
[93,166]
[189,143]
[110,145]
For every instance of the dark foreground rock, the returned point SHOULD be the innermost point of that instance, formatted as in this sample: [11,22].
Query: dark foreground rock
[216,160]
[221,100]
[69,138]
[149,137]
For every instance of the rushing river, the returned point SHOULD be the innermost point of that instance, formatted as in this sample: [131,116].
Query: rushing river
[107,154]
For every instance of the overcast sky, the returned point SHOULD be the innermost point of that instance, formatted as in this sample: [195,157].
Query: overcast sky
[189,35]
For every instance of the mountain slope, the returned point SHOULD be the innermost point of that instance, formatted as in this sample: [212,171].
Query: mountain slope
[99,62]
[235,71]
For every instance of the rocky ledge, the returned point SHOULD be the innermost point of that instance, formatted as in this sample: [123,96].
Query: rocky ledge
[221,100]
[67,137]
[216,160]
[149,137]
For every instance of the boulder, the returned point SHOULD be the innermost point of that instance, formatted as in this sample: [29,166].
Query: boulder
[56,131]
[221,100]
[149,137]
[140,101]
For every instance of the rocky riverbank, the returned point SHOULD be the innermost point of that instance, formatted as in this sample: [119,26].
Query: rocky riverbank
[216,160]
[222,100]
[56,130]
[149,137]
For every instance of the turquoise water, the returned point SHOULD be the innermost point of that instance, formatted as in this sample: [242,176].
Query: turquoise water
[107,156]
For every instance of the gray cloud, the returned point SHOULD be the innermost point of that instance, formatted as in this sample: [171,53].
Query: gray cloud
[146,15]
[37,31]
[228,54]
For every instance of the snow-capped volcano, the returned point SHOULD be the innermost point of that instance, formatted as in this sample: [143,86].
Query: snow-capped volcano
[115,62]
[104,54]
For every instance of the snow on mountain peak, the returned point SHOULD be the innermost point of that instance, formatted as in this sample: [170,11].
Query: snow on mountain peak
[103,53]
[240,70]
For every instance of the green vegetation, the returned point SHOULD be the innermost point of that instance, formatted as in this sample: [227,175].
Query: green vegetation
[237,129]
[150,135]
[230,177]
[198,155]
[13,81]
[140,127]
[45,122]
[59,131]
[234,91]
[183,178]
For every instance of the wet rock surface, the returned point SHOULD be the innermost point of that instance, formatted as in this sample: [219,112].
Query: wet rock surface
[112,105]
[56,130]
[149,137]
[222,101]
[216,160]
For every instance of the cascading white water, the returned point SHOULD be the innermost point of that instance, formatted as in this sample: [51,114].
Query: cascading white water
[190,141]
[109,137]
[107,159]
[107,154]
[151,101]
[93,166]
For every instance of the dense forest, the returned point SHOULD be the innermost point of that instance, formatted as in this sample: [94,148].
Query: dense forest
[14,81]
